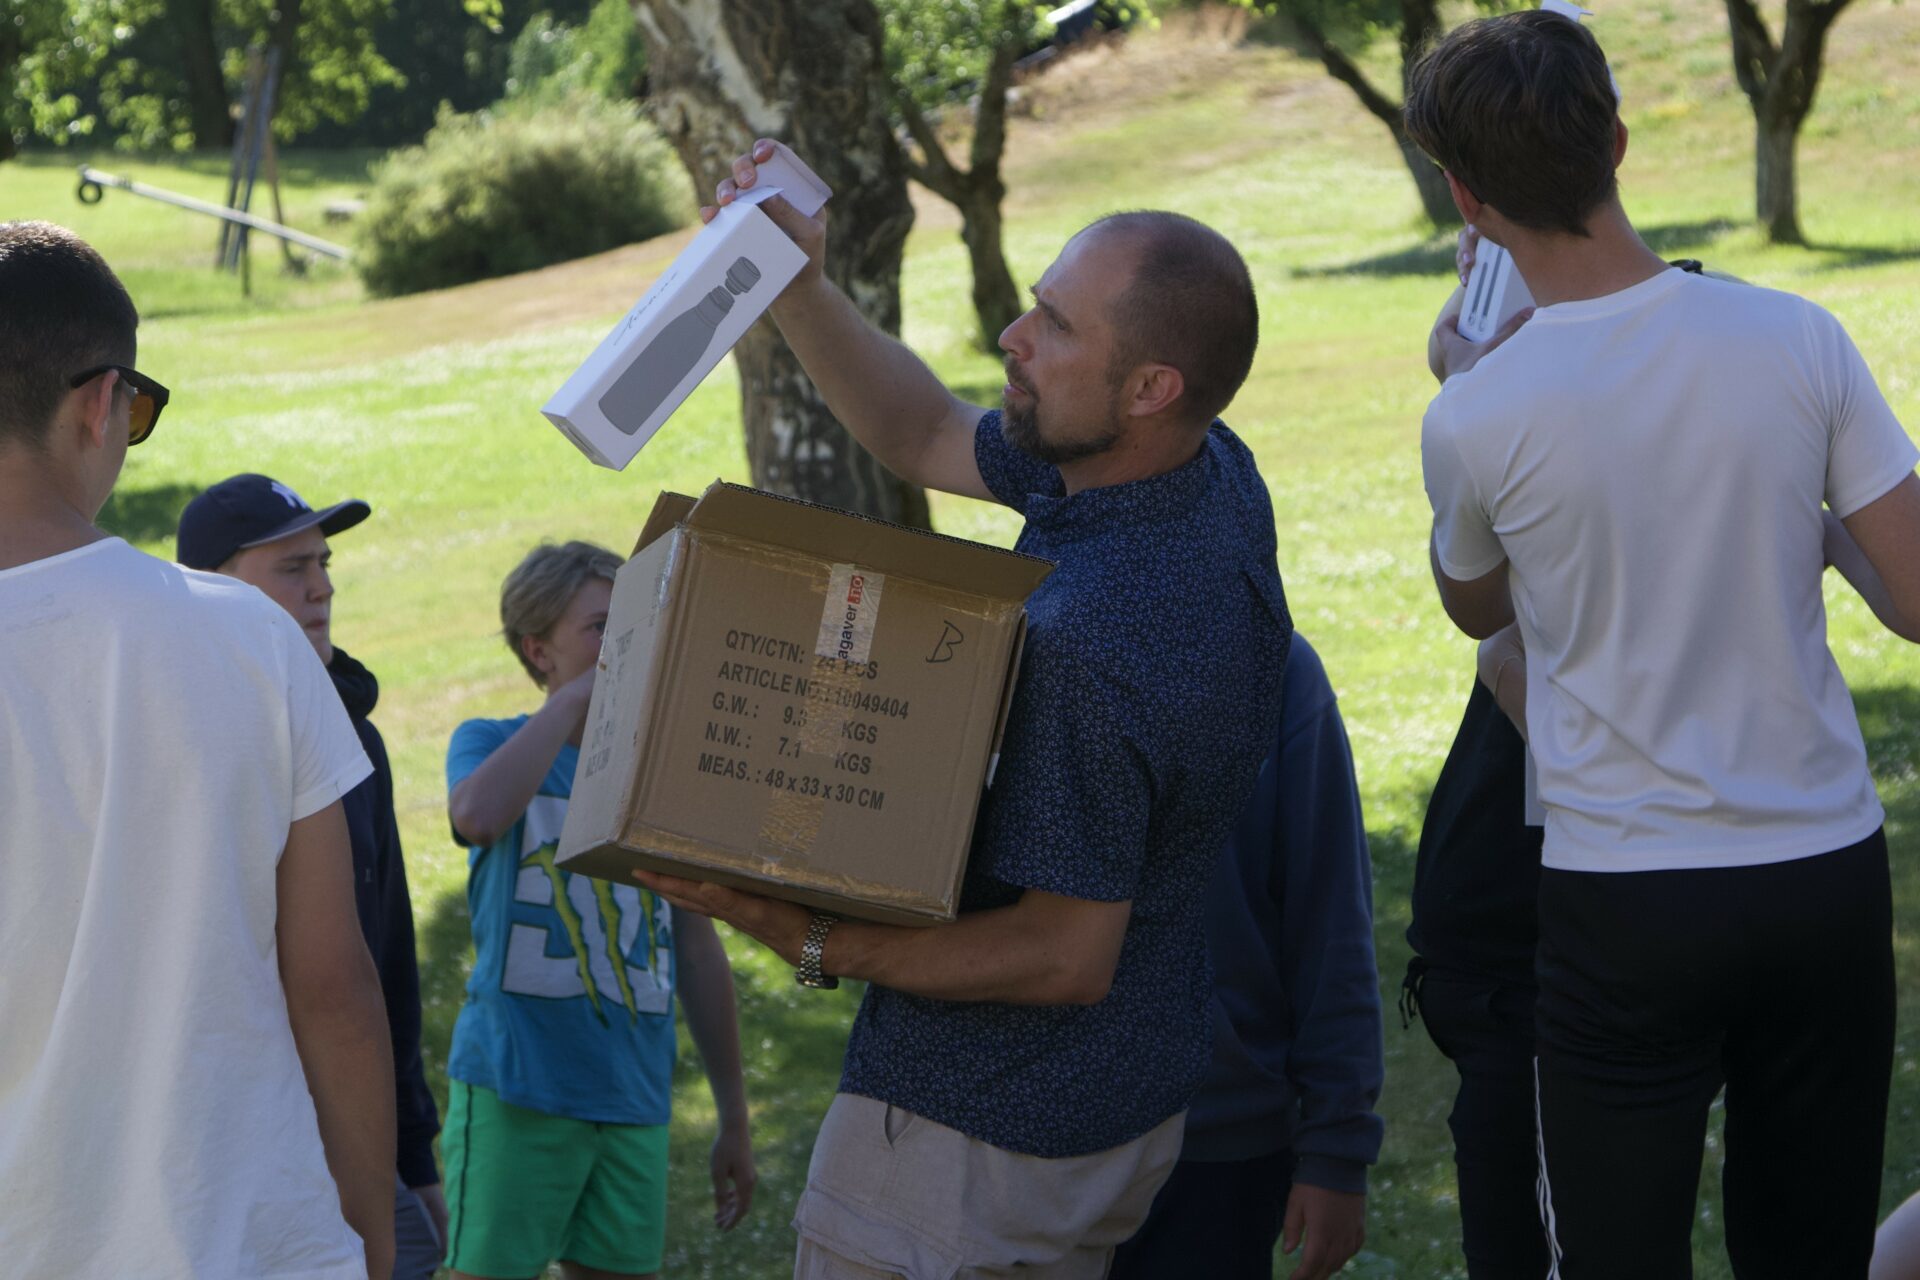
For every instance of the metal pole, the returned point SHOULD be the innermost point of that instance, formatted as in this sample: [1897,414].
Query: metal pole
[93,181]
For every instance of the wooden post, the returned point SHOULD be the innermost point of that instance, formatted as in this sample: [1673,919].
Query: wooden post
[227,229]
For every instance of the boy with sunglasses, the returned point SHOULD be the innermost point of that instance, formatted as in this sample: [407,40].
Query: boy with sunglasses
[195,1077]
[258,530]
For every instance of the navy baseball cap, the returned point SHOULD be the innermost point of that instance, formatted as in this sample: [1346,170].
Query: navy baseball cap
[245,511]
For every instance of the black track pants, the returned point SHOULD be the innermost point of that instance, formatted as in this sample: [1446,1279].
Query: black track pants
[1658,988]
[1486,1029]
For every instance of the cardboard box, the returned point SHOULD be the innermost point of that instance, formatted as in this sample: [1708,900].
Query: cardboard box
[694,313]
[798,702]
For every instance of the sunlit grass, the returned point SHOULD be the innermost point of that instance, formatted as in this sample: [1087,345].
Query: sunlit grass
[427,408]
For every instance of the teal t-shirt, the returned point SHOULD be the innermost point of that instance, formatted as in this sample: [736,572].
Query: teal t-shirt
[570,1007]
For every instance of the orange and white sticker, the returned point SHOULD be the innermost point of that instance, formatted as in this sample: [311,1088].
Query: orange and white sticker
[852,609]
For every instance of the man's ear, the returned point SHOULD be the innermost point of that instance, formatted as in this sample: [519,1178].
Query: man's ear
[1464,200]
[96,408]
[1155,389]
[1619,141]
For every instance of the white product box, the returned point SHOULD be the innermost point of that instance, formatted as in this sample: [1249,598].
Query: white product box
[694,313]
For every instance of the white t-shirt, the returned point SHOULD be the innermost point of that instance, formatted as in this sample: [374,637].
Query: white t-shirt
[1652,465]
[159,731]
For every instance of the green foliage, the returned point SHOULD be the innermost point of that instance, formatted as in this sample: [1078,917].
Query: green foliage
[1352,24]
[113,67]
[516,188]
[452,54]
[550,60]
[336,66]
[39,56]
[1355,25]
[937,50]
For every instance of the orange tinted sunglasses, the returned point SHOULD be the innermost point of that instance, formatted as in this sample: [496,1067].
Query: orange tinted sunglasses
[149,398]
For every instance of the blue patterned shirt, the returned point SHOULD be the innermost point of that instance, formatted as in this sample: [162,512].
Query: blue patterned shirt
[1148,696]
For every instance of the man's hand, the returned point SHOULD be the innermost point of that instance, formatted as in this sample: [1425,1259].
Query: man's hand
[881,392]
[733,1177]
[780,926]
[1465,248]
[1334,1224]
[1448,352]
[1044,949]
[1502,663]
[809,233]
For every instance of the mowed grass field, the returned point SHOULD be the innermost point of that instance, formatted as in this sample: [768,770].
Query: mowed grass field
[428,408]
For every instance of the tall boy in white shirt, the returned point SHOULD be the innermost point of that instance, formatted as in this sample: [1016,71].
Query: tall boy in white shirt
[1638,476]
[195,1079]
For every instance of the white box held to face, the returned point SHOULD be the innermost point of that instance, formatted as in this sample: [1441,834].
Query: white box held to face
[694,313]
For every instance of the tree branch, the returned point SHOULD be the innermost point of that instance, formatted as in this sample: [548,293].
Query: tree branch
[1753,49]
[936,173]
[990,121]
[1795,77]
[1419,24]
[1341,68]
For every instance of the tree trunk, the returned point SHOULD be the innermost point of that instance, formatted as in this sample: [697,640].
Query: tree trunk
[809,72]
[208,108]
[996,298]
[1780,81]
[977,191]
[1419,22]
[1430,180]
[1776,200]
[12,49]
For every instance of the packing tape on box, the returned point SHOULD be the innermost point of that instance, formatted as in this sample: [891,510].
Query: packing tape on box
[845,642]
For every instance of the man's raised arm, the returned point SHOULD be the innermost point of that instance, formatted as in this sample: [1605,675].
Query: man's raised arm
[884,394]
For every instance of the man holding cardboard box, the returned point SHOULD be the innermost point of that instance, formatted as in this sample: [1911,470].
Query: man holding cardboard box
[1015,1081]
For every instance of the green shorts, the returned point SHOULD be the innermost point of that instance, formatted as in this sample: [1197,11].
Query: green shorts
[525,1188]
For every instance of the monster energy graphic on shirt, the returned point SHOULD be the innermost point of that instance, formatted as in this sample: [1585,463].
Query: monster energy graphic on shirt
[574,936]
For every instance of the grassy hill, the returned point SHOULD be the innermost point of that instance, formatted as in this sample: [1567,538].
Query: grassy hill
[427,407]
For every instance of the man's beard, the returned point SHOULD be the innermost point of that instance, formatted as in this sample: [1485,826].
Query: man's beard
[1021,426]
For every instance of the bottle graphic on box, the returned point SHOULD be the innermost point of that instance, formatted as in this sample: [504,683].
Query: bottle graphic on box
[674,353]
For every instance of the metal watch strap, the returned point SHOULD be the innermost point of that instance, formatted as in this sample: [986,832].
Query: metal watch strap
[809,974]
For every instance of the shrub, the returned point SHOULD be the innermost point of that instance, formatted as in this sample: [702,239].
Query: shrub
[514,189]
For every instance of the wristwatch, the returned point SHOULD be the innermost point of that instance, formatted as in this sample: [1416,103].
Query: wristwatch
[808,974]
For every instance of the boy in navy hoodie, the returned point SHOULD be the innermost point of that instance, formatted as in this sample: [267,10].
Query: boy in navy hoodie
[260,531]
[1282,1129]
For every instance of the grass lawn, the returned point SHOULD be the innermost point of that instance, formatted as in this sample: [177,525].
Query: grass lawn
[427,407]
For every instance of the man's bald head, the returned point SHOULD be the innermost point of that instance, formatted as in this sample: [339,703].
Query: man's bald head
[1190,305]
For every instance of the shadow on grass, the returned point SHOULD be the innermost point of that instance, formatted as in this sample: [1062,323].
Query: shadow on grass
[444,943]
[1850,257]
[1434,256]
[147,515]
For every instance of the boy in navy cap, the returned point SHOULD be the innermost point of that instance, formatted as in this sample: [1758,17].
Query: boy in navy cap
[260,531]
